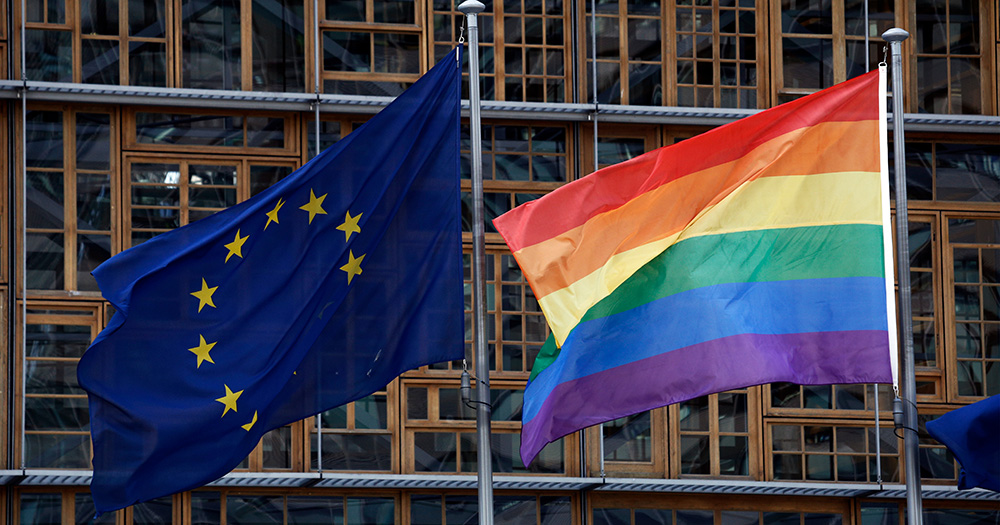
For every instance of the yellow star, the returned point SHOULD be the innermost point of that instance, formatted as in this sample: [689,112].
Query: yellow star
[229,400]
[350,225]
[315,205]
[236,247]
[205,295]
[272,216]
[353,266]
[250,425]
[202,351]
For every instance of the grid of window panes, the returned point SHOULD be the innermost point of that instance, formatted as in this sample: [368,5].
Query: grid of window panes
[716,53]
[439,509]
[98,42]
[441,432]
[356,436]
[69,198]
[948,51]
[976,261]
[168,195]
[534,44]
[851,398]
[686,516]
[449,25]
[370,47]
[520,163]
[823,451]
[937,464]
[923,298]
[822,43]
[681,53]
[629,439]
[56,416]
[713,435]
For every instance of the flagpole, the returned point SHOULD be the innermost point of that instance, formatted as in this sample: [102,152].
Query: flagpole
[914,511]
[471,9]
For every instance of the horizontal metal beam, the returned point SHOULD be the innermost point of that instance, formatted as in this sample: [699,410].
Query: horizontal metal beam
[56,478]
[498,110]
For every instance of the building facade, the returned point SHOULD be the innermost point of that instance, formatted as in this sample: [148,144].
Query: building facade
[122,119]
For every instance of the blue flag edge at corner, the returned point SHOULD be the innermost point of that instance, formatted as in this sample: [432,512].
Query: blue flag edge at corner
[119,275]
[972,434]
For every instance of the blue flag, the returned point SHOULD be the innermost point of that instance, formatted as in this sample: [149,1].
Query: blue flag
[972,434]
[317,292]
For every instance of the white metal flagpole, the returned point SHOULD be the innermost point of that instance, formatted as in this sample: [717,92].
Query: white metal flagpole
[471,10]
[914,510]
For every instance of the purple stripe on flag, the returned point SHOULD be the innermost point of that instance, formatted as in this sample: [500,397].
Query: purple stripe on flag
[727,363]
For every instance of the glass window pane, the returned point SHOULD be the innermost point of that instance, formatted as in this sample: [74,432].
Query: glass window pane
[93,141]
[48,55]
[92,250]
[807,63]
[59,413]
[44,139]
[434,452]
[58,450]
[278,37]
[210,31]
[45,200]
[100,61]
[41,509]
[45,260]
[396,53]
[254,510]
[147,64]
[99,17]
[153,512]
[193,130]
[265,132]
[807,16]
[344,51]
[147,18]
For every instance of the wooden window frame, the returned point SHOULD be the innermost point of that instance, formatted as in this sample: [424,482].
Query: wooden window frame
[753,434]
[867,414]
[372,28]
[72,25]
[243,166]
[948,271]
[90,315]
[291,148]
[656,467]
[833,423]
[649,134]
[434,423]
[69,172]
[718,504]
[393,418]
[989,90]
[668,62]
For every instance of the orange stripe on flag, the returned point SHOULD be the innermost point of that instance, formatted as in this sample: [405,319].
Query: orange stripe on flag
[662,212]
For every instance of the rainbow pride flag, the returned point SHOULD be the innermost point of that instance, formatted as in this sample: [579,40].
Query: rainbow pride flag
[750,254]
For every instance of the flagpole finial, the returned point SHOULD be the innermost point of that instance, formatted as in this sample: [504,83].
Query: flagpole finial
[892,35]
[471,7]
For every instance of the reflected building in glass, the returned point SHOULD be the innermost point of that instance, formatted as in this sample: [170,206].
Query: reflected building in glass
[124,119]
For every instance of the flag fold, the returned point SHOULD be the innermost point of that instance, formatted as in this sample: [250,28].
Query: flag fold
[314,293]
[752,253]
[972,434]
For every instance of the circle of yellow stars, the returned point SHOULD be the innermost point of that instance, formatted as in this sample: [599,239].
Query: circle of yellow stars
[314,207]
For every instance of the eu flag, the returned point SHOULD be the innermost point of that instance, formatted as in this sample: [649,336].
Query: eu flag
[315,293]
[972,434]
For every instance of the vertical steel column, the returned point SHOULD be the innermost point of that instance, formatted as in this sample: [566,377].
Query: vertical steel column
[24,235]
[471,10]
[317,42]
[914,511]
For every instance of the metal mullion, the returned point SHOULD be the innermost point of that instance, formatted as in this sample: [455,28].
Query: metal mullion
[246,47]
[69,206]
[123,51]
